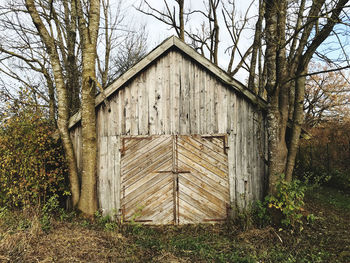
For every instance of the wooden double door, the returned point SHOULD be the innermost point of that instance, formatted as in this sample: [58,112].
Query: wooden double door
[174,179]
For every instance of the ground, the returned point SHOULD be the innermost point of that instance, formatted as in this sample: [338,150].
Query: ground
[69,239]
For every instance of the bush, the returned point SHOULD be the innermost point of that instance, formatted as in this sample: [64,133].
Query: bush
[289,200]
[32,164]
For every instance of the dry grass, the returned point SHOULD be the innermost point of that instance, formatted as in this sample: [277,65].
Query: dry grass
[66,242]
[77,240]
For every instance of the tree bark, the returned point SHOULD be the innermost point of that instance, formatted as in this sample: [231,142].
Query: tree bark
[256,44]
[181,19]
[88,31]
[298,118]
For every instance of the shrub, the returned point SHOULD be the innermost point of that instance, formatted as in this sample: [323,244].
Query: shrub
[32,164]
[261,218]
[289,199]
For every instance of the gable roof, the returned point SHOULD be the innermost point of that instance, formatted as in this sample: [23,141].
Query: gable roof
[166,45]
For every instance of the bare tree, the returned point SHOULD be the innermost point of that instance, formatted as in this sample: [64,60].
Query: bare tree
[205,37]
[133,49]
[236,27]
[172,16]
[48,38]
[287,66]
[120,45]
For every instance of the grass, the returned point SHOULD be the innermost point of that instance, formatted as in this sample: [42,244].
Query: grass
[71,239]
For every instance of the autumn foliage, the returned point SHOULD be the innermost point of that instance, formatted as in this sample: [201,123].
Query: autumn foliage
[327,96]
[324,157]
[32,166]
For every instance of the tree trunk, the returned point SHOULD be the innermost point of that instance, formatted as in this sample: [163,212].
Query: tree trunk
[256,45]
[298,118]
[277,149]
[88,198]
[52,100]
[181,19]
[88,31]
[62,104]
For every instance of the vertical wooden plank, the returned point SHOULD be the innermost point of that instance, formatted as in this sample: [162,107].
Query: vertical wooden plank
[112,187]
[240,174]
[176,89]
[195,97]
[208,104]
[133,108]
[202,99]
[257,137]
[117,119]
[235,113]
[98,125]
[121,112]
[214,113]
[232,171]
[152,107]
[127,110]
[112,116]
[102,173]
[143,104]
[185,99]
[245,159]
[109,173]
[171,93]
[166,96]
[250,151]
[158,97]
[222,109]
[117,171]
[101,120]
[166,118]
[230,112]
[105,116]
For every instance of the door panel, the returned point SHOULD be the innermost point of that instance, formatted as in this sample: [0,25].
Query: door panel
[174,179]
[146,189]
[203,189]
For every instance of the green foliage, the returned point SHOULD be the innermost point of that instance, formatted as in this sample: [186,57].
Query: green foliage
[32,163]
[47,212]
[316,177]
[289,199]
[340,179]
[261,217]
[106,222]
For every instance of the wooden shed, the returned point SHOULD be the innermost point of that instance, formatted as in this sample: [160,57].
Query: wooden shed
[179,141]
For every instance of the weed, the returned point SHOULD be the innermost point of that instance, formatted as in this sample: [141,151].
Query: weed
[106,222]
[47,211]
[261,218]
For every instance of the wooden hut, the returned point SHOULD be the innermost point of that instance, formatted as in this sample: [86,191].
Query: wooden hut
[179,141]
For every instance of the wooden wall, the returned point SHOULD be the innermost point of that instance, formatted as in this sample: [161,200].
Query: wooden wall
[177,96]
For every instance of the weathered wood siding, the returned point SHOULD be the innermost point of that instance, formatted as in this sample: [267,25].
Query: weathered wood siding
[176,95]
